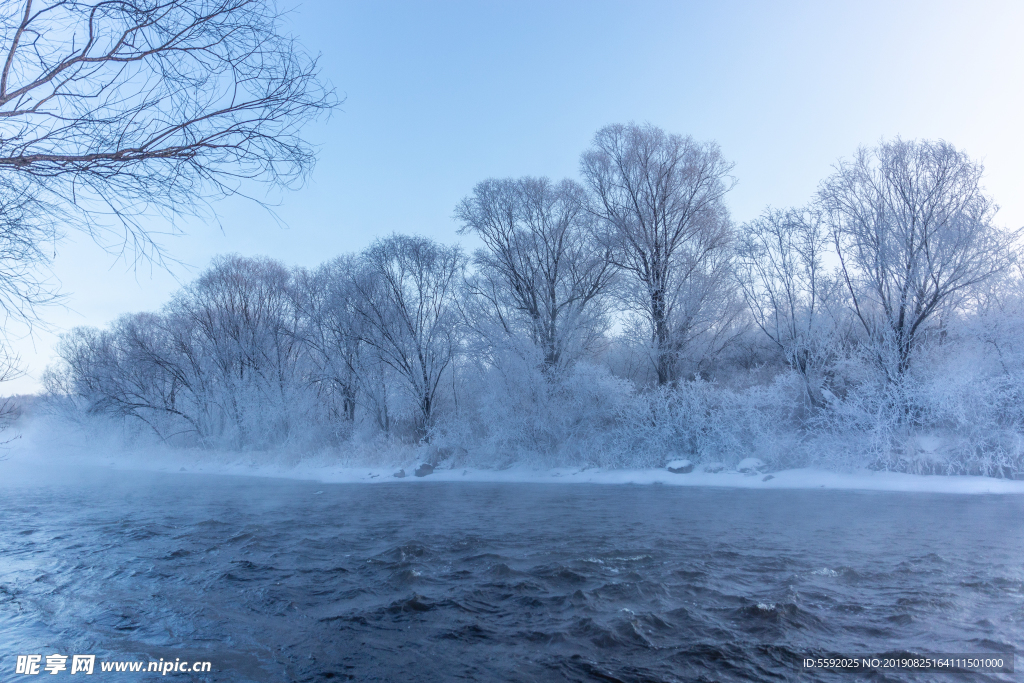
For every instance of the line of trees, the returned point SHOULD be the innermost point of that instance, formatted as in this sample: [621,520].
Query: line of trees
[621,319]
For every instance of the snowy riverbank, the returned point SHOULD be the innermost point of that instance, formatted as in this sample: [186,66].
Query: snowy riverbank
[805,478]
[43,457]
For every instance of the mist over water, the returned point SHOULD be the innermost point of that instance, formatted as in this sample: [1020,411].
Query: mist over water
[302,581]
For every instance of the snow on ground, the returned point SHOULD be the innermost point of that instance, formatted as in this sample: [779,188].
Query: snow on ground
[27,459]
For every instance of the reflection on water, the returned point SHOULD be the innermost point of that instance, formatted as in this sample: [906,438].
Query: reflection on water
[281,580]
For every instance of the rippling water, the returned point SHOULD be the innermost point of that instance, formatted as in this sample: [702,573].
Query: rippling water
[429,581]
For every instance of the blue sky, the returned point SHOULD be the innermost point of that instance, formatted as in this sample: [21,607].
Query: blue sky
[440,95]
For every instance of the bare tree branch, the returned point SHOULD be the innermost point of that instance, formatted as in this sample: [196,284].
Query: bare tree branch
[114,110]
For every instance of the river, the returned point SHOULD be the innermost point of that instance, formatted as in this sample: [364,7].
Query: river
[279,580]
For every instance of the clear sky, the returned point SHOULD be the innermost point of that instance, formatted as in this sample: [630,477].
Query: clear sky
[440,95]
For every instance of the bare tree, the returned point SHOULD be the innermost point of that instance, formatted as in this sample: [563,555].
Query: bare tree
[661,198]
[407,299]
[112,109]
[23,284]
[792,299]
[914,233]
[542,268]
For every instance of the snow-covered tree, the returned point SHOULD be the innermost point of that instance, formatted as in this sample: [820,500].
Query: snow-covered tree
[791,296]
[914,233]
[407,299]
[331,330]
[543,273]
[661,201]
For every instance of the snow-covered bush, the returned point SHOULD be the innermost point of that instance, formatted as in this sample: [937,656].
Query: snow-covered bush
[705,422]
[959,410]
[522,413]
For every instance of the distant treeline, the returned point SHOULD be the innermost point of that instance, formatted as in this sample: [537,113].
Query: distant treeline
[623,320]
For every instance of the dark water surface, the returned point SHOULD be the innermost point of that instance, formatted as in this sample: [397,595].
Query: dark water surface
[429,581]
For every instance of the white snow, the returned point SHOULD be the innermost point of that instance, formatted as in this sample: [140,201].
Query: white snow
[748,465]
[805,478]
[37,458]
[927,443]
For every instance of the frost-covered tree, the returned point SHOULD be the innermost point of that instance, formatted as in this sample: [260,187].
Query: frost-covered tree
[542,273]
[125,371]
[332,330]
[914,233]
[780,266]
[661,201]
[237,321]
[220,365]
[407,299]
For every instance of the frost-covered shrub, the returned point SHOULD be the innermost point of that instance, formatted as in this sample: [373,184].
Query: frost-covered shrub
[708,422]
[959,411]
[518,412]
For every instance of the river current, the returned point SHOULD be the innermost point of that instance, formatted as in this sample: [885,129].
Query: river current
[276,580]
